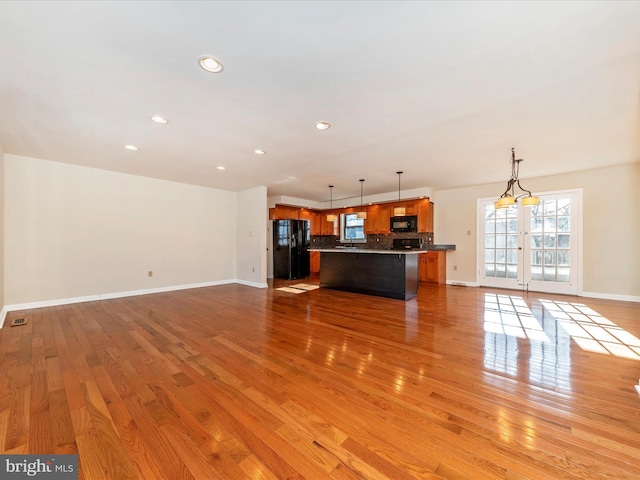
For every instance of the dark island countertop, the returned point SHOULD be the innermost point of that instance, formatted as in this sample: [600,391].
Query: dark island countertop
[354,249]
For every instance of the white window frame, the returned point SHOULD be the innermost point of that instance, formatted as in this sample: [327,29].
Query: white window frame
[343,226]
[517,284]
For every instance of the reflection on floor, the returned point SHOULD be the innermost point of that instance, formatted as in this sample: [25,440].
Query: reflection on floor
[515,339]
[593,332]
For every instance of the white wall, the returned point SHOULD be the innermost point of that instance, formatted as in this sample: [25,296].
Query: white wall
[74,231]
[2,302]
[252,237]
[611,226]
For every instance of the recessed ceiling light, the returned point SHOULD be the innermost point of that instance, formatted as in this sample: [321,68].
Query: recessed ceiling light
[322,125]
[221,168]
[158,119]
[210,64]
[131,147]
[259,152]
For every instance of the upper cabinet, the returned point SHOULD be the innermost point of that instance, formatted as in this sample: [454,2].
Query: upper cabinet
[284,212]
[377,221]
[327,227]
[371,222]
[384,218]
[425,216]
[313,217]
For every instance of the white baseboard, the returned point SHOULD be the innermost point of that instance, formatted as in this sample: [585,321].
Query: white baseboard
[604,296]
[457,283]
[3,315]
[611,296]
[131,293]
[252,284]
[109,296]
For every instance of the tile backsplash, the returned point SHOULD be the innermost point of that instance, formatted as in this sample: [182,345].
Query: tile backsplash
[383,241]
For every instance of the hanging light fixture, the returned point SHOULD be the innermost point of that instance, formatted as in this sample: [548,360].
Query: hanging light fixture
[399,211]
[361,214]
[509,196]
[331,217]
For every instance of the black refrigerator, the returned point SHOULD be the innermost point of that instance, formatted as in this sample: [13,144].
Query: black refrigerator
[291,240]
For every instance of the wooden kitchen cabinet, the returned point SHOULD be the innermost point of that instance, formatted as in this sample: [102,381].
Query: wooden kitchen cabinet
[432,267]
[371,222]
[314,261]
[305,214]
[411,207]
[384,218]
[314,220]
[378,219]
[284,212]
[275,212]
[316,223]
[326,227]
[425,216]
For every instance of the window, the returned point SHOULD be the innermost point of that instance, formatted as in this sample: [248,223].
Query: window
[351,228]
[537,248]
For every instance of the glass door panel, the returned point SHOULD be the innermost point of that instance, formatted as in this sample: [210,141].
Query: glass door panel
[500,246]
[533,248]
[554,244]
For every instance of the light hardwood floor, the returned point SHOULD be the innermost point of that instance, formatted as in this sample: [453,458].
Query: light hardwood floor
[237,382]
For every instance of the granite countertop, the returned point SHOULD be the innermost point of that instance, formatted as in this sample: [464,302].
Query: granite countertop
[354,249]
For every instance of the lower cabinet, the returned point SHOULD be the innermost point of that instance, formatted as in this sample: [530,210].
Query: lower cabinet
[391,275]
[432,267]
[314,259]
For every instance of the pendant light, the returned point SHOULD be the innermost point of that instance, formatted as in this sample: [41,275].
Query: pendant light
[331,217]
[399,211]
[509,196]
[361,214]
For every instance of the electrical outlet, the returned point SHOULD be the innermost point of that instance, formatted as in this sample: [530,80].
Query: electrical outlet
[150,274]
[253,270]
[455,268]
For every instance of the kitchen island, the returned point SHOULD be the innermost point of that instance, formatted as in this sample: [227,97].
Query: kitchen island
[385,273]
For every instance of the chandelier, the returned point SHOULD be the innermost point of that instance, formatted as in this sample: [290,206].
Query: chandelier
[509,196]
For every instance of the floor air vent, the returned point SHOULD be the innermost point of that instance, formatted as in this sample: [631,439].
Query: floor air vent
[18,321]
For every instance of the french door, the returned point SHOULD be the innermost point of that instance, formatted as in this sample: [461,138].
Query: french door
[533,248]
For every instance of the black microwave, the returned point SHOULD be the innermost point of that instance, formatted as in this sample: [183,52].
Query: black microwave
[404,224]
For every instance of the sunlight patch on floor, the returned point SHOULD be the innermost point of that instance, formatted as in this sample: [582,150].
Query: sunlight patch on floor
[511,316]
[593,332]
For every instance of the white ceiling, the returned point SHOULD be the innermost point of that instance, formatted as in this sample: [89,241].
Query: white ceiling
[440,90]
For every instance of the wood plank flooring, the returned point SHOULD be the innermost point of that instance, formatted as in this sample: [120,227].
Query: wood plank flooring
[234,382]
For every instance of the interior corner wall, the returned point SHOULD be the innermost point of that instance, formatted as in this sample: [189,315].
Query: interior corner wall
[73,232]
[610,263]
[2,302]
[252,237]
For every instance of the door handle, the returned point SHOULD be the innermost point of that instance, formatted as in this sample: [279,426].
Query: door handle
[519,248]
